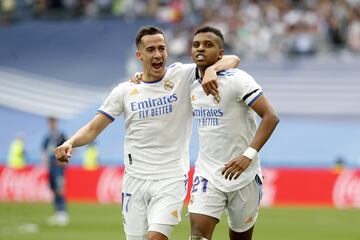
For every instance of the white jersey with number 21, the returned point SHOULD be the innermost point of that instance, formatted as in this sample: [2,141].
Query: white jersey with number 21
[226,127]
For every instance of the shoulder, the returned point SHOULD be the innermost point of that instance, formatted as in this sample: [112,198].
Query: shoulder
[234,73]
[181,66]
[123,87]
[236,76]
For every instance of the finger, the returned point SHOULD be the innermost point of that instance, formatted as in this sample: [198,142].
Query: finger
[237,175]
[138,78]
[225,169]
[214,87]
[228,172]
[216,84]
[64,158]
[58,153]
[231,175]
[206,89]
[68,153]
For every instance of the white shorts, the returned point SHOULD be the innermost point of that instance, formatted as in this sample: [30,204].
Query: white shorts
[241,206]
[147,204]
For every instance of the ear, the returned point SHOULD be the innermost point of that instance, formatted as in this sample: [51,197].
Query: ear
[138,55]
[221,53]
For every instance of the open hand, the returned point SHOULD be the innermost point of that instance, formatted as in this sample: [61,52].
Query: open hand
[235,167]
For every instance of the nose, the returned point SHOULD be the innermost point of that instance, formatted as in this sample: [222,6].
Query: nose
[157,54]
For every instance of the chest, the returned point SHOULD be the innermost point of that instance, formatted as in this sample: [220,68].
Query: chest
[156,100]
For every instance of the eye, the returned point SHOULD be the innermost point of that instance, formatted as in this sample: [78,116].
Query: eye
[208,44]
[150,49]
[196,44]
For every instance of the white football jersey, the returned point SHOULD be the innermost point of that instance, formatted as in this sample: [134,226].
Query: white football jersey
[157,123]
[226,127]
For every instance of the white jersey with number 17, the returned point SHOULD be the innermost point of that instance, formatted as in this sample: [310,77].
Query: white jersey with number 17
[157,123]
[226,127]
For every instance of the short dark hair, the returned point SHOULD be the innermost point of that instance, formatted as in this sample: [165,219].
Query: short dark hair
[147,30]
[214,30]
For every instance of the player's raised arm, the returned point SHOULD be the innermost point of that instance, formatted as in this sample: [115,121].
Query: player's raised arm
[83,136]
[269,120]
[209,81]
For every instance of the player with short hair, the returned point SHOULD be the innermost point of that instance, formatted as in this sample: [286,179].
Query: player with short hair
[227,172]
[157,115]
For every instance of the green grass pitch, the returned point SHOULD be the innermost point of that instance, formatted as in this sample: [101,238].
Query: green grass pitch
[27,221]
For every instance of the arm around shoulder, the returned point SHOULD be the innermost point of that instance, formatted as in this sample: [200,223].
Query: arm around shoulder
[209,82]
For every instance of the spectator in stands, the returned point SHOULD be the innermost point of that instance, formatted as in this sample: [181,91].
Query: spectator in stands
[353,35]
[252,28]
[53,139]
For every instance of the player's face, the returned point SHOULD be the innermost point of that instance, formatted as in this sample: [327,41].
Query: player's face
[152,53]
[206,49]
[52,123]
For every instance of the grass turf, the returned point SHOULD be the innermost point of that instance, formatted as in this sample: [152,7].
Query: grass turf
[20,221]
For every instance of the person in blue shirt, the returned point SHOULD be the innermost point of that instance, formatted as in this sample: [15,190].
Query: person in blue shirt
[52,140]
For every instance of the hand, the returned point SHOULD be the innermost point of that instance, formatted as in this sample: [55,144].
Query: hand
[137,78]
[235,167]
[63,153]
[209,82]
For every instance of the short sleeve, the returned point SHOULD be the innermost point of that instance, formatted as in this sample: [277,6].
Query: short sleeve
[246,89]
[113,105]
[185,70]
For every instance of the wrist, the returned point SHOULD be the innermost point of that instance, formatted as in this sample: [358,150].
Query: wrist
[210,69]
[250,153]
[69,142]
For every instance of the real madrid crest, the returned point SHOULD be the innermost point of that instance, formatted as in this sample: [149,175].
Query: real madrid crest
[168,85]
[217,98]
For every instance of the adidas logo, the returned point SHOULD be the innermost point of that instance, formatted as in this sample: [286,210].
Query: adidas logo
[250,220]
[175,213]
[134,92]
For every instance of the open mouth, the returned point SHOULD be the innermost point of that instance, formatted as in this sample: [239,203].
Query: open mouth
[200,57]
[157,65]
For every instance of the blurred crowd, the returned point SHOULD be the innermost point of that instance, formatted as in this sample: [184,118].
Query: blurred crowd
[252,28]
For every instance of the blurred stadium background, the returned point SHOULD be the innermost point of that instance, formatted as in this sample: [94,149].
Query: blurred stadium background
[62,57]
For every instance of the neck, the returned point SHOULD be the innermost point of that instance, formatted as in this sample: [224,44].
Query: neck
[151,78]
[202,71]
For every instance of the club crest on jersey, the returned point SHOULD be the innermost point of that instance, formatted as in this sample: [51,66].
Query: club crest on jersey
[168,85]
[217,99]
